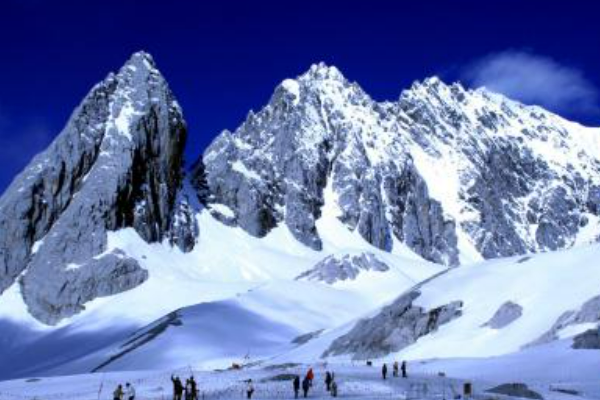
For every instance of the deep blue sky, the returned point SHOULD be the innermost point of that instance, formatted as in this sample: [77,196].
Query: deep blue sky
[223,58]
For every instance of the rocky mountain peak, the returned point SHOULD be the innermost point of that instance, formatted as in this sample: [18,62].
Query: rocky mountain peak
[438,170]
[117,164]
[142,60]
[321,71]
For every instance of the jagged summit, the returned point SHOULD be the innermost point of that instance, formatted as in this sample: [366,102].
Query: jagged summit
[322,71]
[116,164]
[141,59]
[455,174]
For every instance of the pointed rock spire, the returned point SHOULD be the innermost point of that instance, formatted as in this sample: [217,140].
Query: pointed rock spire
[117,164]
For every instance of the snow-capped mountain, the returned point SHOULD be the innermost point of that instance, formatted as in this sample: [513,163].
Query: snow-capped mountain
[111,255]
[457,175]
[117,164]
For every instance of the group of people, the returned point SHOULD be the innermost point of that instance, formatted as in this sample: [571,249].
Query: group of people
[307,383]
[396,367]
[127,393]
[189,391]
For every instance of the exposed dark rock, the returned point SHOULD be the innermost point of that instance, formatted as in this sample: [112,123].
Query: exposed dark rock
[394,328]
[340,268]
[307,337]
[143,337]
[508,313]
[588,340]
[516,390]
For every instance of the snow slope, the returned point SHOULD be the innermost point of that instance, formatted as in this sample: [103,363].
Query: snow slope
[236,299]
[546,286]
[226,286]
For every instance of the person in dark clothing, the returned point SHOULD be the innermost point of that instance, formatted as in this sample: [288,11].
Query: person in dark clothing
[403,368]
[395,369]
[296,386]
[334,388]
[177,387]
[305,386]
[384,371]
[194,388]
[118,393]
[328,380]
[249,388]
[188,390]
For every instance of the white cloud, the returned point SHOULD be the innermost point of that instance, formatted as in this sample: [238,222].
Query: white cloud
[534,79]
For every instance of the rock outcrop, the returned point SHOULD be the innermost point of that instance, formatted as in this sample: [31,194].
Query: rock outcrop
[508,313]
[395,327]
[588,340]
[520,390]
[340,268]
[117,163]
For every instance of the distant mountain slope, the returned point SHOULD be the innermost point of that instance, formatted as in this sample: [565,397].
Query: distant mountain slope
[307,321]
[448,316]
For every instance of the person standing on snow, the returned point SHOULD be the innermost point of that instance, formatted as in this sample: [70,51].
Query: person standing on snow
[296,386]
[395,369]
[118,393]
[249,388]
[310,375]
[334,388]
[403,368]
[177,387]
[305,386]
[384,371]
[193,388]
[188,390]
[129,391]
[328,380]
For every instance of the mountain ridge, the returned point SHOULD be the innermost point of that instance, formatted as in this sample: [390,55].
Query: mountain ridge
[431,118]
[455,175]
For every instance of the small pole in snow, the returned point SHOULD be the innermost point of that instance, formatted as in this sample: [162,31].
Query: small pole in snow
[100,388]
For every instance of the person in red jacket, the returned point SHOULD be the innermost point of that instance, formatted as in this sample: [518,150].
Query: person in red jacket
[310,375]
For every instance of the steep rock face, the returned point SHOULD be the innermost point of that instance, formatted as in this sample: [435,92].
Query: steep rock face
[277,165]
[457,175]
[117,163]
[395,327]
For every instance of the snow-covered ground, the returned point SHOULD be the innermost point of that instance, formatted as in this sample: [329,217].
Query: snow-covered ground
[354,381]
[234,289]
[236,299]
